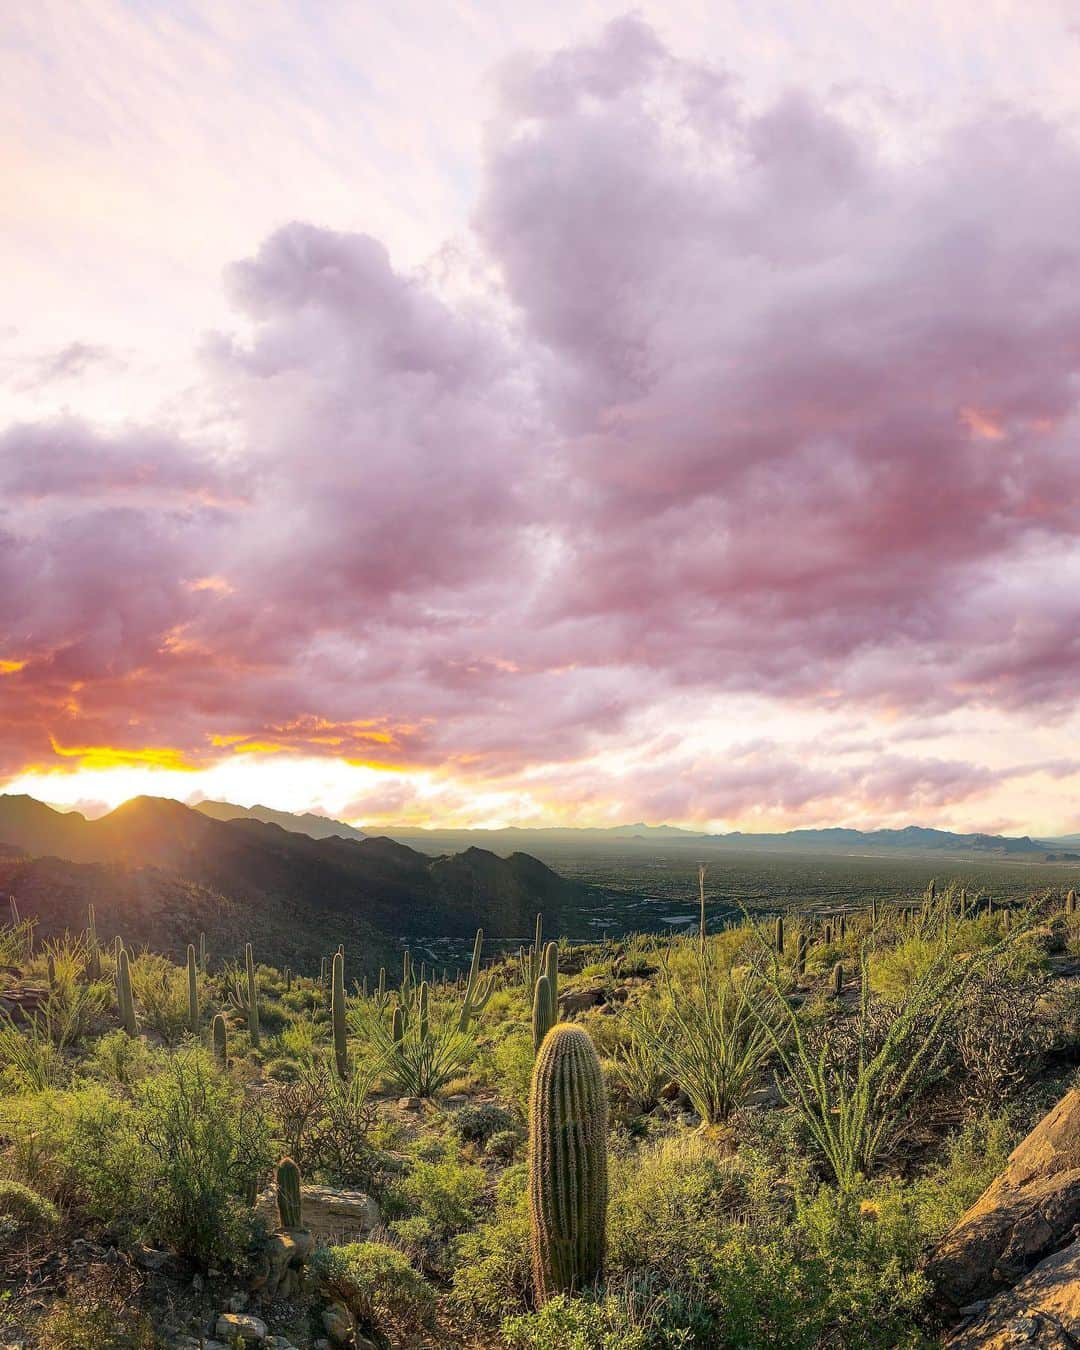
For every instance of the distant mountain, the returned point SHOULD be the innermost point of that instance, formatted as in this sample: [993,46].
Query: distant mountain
[290,888]
[913,839]
[316,827]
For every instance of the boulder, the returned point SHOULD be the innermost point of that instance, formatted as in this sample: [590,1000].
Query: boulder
[1042,1311]
[248,1328]
[1028,1213]
[578,1000]
[330,1215]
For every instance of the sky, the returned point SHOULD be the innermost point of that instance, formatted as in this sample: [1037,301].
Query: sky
[483,414]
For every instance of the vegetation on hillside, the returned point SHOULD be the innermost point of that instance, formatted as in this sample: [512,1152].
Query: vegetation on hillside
[746,1141]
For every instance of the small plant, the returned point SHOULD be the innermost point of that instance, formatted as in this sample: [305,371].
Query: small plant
[377,1285]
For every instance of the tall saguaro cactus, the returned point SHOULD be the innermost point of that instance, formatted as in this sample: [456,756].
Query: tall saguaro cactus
[124,998]
[568,1182]
[778,935]
[543,1011]
[337,1015]
[252,995]
[531,959]
[477,991]
[192,990]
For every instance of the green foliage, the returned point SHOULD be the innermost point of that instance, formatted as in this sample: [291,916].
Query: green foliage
[22,1208]
[162,991]
[477,1122]
[31,1059]
[717,1033]
[378,1286]
[420,1052]
[445,1192]
[492,1274]
[326,1124]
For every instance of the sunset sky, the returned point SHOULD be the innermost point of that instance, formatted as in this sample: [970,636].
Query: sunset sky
[484,413]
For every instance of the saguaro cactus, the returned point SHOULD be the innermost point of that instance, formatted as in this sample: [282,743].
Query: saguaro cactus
[124,999]
[838,979]
[289,1204]
[423,1007]
[192,991]
[93,951]
[543,1011]
[477,991]
[221,1040]
[568,1183]
[801,948]
[252,996]
[337,1015]
[1070,902]
[531,959]
[202,953]
[397,1025]
[778,935]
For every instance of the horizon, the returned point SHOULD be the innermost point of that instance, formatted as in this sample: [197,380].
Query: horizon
[97,810]
[439,420]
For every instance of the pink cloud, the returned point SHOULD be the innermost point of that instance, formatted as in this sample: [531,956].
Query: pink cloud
[754,406]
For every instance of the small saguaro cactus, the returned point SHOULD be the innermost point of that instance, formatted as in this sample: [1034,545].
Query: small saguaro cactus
[477,991]
[838,979]
[252,996]
[842,925]
[531,958]
[192,990]
[423,1008]
[288,980]
[827,935]
[221,1040]
[568,1182]
[124,998]
[778,935]
[543,1011]
[322,973]
[289,1204]
[397,1025]
[337,1015]
[1070,902]
[1006,920]
[801,948]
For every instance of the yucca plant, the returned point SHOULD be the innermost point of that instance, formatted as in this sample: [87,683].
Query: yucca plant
[709,1038]
[421,1051]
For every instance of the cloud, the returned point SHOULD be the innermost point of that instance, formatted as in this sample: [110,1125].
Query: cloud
[743,401]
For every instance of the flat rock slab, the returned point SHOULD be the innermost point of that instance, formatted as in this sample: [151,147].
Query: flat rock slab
[329,1214]
[1029,1212]
[231,1325]
[1042,1311]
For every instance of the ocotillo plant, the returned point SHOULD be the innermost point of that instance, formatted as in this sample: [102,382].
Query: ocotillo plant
[192,991]
[568,1184]
[543,1011]
[202,953]
[15,920]
[337,1015]
[290,1210]
[477,991]
[778,935]
[221,1040]
[125,1000]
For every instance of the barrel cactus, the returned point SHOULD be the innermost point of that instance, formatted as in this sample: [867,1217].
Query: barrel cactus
[289,1205]
[568,1183]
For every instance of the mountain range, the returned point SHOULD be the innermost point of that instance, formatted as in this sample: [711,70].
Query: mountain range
[317,827]
[159,871]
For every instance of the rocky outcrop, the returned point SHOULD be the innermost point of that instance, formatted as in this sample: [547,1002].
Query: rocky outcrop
[330,1215]
[1042,1311]
[1030,1212]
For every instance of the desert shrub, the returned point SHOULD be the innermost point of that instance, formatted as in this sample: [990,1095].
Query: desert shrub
[502,1146]
[565,1323]
[22,1208]
[378,1286]
[513,1058]
[491,1277]
[120,1059]
[1001,1036]
[476,1124]
[161,990]
[445,1192]
[300,1039]
[639,1074]
[971,1159]
[418,1240]
[326,1124]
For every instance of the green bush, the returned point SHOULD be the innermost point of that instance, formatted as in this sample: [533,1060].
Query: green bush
[22,1208]
[477,1123]
[493,1269]
[378,1286]
[446,1193]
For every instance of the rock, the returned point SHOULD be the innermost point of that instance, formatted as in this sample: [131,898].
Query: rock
[577,1000]
[338,1323]
[149,1258]
[409,1103]
[1043,1310]
[330,1215]
[231,1325]
[1025,1215]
